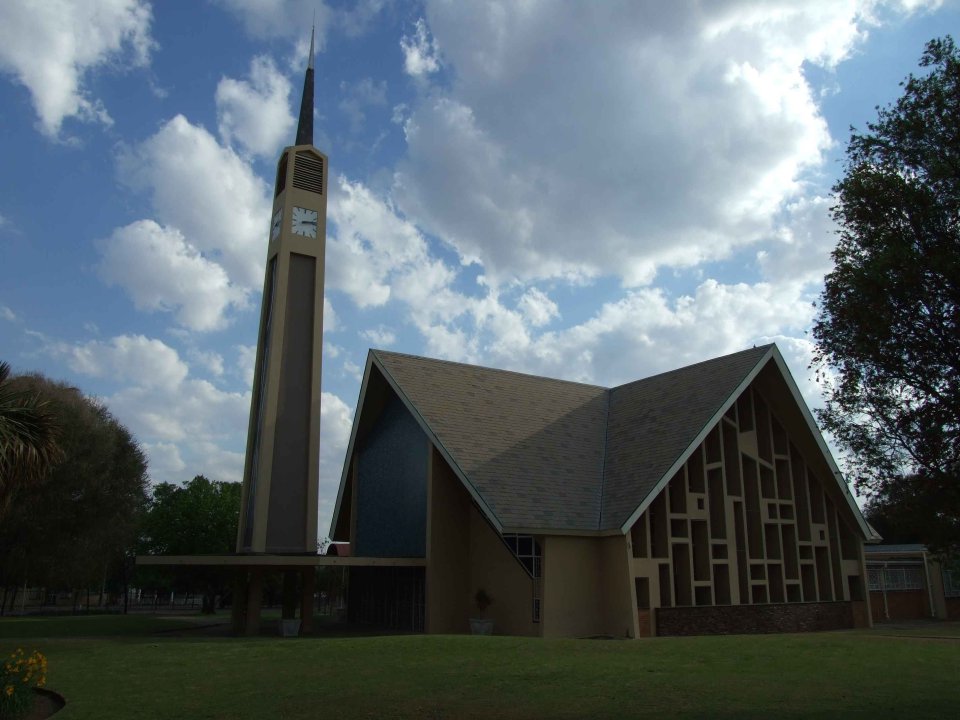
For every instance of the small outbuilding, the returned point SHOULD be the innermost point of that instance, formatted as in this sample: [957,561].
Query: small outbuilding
[909,583]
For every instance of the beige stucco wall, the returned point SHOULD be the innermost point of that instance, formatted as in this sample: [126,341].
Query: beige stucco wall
[448,546]
[465,554]
[571,580]
[495,569]
[588,587]
[617,589]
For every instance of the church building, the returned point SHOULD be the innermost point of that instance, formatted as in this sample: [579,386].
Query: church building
[702,500]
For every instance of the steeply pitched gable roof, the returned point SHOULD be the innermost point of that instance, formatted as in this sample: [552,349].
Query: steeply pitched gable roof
[532,447]
[544,455]
[654,420]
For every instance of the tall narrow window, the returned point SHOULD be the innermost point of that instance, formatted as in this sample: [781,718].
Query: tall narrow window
[527,550]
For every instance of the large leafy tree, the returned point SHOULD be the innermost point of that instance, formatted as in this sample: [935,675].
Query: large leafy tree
[887,325]
[74,528]
[28,437]
[199,518]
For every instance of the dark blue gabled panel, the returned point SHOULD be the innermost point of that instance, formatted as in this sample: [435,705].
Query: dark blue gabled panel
[392,487]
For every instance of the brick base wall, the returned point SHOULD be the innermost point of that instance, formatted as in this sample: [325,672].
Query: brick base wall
[643,618]
[953,608]
[743,619]
[861,617]
[902,605]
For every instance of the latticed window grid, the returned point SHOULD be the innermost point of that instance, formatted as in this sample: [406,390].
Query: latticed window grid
[527,550]
[951,583]
[896,578]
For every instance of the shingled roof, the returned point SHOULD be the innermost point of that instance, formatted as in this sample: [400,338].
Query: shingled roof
[545,454]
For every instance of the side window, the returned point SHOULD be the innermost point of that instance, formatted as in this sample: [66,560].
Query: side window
[527,550]
[951,583]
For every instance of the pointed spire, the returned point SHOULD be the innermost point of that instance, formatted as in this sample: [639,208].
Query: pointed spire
[305,124]
[313,29]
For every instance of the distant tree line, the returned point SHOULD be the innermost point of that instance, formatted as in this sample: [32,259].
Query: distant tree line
[75,506]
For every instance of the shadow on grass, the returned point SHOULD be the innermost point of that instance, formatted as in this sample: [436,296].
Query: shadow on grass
[138,669]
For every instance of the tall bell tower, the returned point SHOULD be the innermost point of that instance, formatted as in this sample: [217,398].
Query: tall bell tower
[278,512]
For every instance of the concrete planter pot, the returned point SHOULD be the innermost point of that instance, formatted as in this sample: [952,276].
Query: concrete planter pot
[45,704]
[290,628]
[481,626]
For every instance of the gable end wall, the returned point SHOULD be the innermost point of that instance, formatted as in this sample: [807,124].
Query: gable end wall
[751,519]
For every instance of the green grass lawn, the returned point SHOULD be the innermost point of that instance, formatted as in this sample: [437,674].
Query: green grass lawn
[131,672]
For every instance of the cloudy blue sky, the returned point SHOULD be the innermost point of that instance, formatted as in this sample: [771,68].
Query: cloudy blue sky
[595,191]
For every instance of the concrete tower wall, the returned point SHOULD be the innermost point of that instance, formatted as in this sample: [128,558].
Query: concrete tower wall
[286,524]
[282,467]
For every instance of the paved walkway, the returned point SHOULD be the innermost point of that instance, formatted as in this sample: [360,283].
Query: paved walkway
[919,629]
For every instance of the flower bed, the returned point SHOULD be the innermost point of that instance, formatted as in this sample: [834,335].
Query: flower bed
[19,676]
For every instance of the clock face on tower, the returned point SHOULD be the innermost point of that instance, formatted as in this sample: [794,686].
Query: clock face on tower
[275,224]
[304,222]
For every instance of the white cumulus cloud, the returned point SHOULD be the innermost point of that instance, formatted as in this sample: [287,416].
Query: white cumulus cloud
[618,138]
[52,47]
[160,270]
[255,113]
[209,360]
[380,336]
[187,426]
[279,18]
[421,54]
[146,361]
[336,419]
[368,244]
[207,192]
[537,308]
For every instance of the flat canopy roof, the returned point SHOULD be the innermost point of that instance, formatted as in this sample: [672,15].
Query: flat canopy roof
[266,560]
[912,549]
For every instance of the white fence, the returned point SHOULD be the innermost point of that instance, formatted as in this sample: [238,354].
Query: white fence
[27,600]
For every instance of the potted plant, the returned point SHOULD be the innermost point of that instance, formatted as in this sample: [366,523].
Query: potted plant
[481,625]
[290,627]
[22,678]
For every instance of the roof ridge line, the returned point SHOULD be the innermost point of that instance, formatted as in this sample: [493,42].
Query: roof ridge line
[491,369]
[693,365]
[603,460]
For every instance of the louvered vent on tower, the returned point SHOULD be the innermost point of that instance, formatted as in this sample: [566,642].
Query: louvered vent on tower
[308,173]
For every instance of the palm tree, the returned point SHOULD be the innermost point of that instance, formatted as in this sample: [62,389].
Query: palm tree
[28,438]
